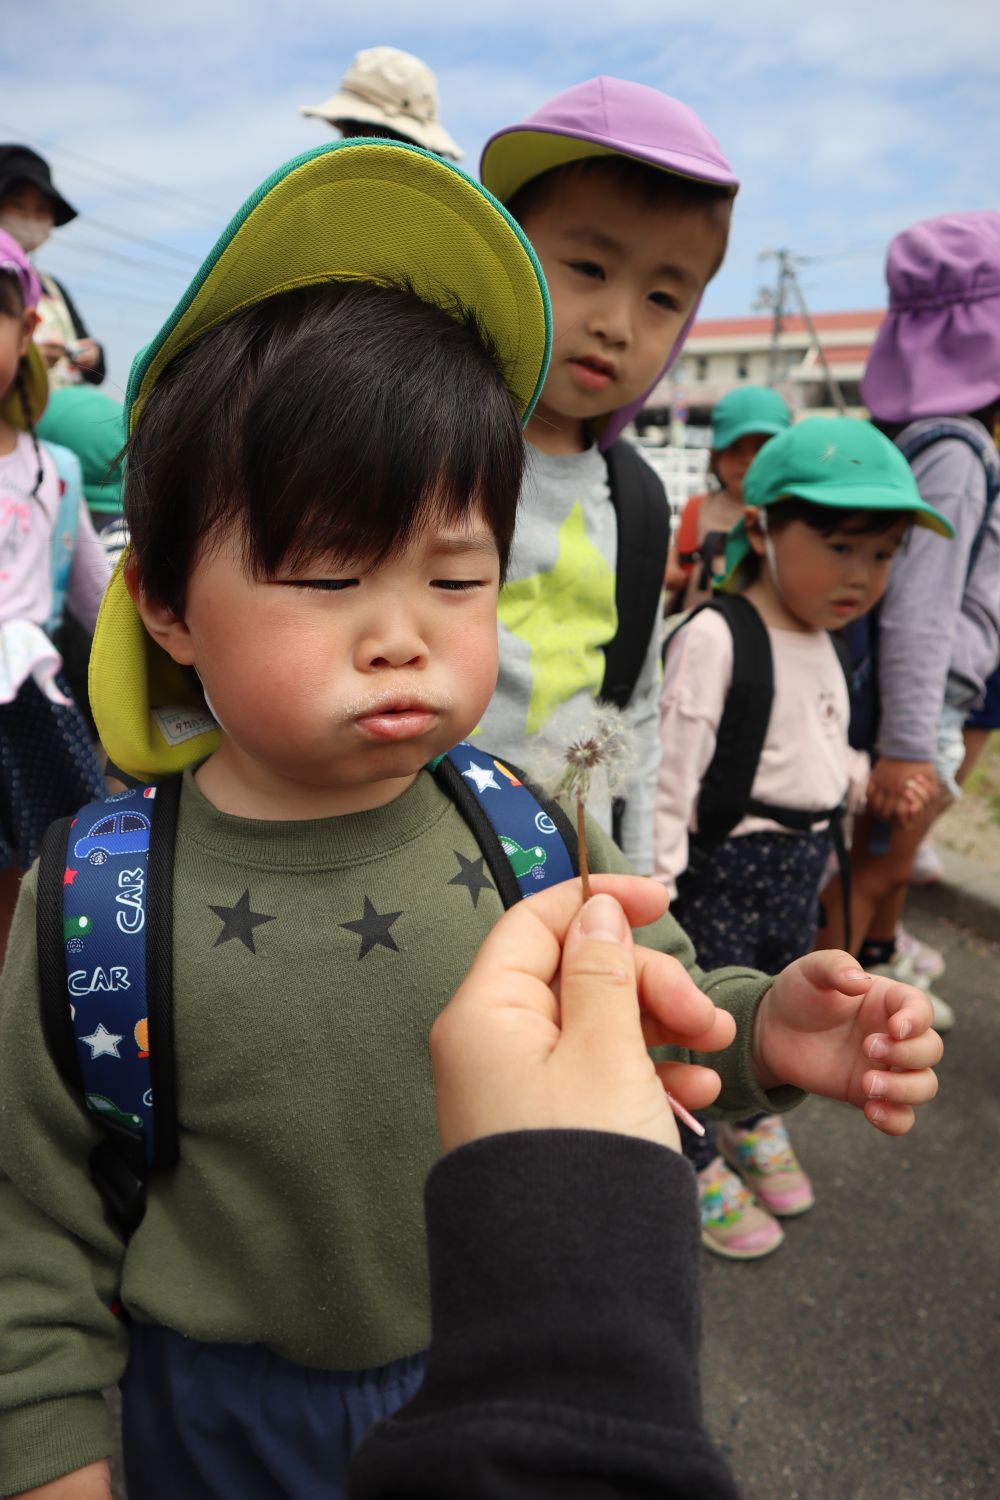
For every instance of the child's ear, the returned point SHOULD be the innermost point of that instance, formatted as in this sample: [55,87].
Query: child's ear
[755,536]
[29,322]
[167,628]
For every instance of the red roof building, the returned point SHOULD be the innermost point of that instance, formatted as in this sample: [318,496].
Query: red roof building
[721,353]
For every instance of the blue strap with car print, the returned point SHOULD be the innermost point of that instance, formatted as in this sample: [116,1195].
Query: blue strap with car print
[529,834]
[104,929]
[105,903]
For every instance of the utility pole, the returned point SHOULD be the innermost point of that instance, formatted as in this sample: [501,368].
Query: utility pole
[775,300]
[788,280]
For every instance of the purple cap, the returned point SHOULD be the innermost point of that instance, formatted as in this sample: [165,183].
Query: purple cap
[937,354]
[14,260]
[608,117]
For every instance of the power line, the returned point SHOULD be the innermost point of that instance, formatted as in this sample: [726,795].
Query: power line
[142,239]
[87,247]
[119,172]
[195,216]
[118,294]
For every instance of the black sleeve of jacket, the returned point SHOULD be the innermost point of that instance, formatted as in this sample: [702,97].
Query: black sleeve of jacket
[565,1328]
[97,374]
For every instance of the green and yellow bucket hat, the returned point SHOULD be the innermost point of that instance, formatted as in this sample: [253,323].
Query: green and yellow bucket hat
[842,462]
[368,210]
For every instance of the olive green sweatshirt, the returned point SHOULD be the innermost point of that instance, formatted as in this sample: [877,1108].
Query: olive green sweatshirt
[310,959]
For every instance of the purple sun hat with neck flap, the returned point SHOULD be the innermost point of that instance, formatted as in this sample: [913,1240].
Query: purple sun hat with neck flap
[608,117]
[938,352]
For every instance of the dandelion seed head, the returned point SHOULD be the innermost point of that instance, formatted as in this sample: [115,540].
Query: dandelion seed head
[597,760]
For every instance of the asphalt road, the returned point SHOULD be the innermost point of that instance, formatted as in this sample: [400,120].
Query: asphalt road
[862,1358]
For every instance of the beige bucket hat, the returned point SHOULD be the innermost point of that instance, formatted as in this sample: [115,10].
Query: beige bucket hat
[387,87]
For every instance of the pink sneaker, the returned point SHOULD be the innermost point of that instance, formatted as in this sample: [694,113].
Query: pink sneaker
[927,866]
[918,963]
[732,1224]
[764,1157]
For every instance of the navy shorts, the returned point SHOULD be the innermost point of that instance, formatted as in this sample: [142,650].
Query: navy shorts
[236,1422]
[48,770]
[756,901]
[988,717]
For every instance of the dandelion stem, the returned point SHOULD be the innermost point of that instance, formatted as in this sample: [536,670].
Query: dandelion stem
[581,838]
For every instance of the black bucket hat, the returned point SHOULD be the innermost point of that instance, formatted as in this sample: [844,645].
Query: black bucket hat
[21,164]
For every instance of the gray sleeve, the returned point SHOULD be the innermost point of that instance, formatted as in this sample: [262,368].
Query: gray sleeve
[643,713]
[919,614]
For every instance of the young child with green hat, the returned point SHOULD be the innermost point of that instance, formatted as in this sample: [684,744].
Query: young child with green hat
[321,484]
[742,422]
[827,504]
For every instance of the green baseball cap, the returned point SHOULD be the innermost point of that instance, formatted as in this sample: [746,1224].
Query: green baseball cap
[841,462]
[354,210]
[750,408]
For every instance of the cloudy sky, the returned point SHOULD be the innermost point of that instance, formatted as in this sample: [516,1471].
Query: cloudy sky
[845,120]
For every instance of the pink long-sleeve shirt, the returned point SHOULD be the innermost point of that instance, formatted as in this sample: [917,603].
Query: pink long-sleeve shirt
[805,762]
[26,525]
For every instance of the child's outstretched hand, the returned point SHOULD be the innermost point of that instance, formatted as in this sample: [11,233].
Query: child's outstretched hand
[549,1029]
[827,1027]
[917,795]
[900,789]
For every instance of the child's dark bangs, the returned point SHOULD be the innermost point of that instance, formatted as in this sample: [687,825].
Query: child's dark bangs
[651,186]
[337,419]
[828,519]
[871,522]
[377,415]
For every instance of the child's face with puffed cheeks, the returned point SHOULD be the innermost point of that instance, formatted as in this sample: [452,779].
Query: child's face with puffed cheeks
[335,683]
[624,274]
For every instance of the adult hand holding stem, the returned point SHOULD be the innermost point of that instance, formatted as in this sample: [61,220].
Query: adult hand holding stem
[551,1026]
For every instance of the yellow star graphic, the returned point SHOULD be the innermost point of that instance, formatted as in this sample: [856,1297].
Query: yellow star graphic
[565,616]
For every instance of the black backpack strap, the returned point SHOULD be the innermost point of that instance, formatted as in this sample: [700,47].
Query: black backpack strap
[160,970]
[918,442]
[643,514]
[728,781]
[59,1035]
[712,545]
[844,657]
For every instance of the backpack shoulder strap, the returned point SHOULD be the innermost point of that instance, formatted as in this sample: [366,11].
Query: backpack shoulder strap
[948,427]
[528,842]
[64,531]
[951,427]
[843,651]
[727,784]
[105,943]
[643,514]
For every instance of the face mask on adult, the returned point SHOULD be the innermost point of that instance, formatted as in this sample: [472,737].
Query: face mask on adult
[29,232]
